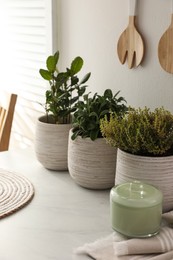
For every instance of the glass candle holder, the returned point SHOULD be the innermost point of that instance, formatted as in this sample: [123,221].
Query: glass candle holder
[136,209]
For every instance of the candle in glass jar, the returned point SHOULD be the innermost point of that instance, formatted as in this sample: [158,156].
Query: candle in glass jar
[136,209]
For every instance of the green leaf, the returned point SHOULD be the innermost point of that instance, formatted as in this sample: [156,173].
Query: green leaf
[95,96]
[51,63]
[61,79]
[108,93]
[116,94]
[94,135]
[76,65]
[121,99]
[75,134]
[90,126]
[45,74]
[56,56]
[93,114]
[73,100]
[74,80]
[73,109]
[103,113]
[85,97]
[81,90]
[85,78]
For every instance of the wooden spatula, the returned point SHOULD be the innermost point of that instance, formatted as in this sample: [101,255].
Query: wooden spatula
[165,48]
[130,44]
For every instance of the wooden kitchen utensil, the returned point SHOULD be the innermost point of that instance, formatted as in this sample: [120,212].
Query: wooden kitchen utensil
[165,48]
[130,44]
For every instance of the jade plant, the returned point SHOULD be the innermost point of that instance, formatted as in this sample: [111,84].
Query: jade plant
[140,131]
[86,119]
[65,89]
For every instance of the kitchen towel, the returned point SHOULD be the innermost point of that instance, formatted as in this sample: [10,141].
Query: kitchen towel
[119,247]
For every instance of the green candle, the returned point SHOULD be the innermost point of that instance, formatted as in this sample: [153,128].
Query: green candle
[136,209]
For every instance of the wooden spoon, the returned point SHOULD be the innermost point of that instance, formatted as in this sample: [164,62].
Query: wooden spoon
[130,44]
[165,48]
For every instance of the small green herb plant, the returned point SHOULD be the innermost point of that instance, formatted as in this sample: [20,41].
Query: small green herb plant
[65,89]
[140,131]
[86,121]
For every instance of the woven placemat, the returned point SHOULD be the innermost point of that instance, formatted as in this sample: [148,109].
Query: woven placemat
[16,191]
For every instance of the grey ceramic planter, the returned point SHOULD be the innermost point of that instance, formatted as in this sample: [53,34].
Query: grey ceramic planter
[51,144]
[157,171]
[91,164]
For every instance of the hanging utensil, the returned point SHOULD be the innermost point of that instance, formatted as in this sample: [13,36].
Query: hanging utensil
[130,44]
[165,48]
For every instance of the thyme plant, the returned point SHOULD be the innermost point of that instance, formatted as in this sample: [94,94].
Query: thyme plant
[140,131]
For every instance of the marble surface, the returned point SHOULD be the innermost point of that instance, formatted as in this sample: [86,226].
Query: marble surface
[61,217]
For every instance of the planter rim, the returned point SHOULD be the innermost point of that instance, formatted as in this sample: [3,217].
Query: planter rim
[50,124]
[144,156]
[86,138]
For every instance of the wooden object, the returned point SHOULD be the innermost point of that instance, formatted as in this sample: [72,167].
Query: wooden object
[165,48]
[6,119]
[130,44]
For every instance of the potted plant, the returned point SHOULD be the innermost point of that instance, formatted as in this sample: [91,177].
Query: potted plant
[52,129]
[91,162]
[144,139]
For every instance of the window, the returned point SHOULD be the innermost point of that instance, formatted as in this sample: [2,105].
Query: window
[28,38]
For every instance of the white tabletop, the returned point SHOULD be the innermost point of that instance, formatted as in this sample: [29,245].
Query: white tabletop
[61,217]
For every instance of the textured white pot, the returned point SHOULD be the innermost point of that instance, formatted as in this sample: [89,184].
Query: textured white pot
[91,163]
[51,144]
[157,171]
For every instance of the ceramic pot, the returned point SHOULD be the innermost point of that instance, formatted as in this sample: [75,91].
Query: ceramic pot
[157,171]
[91,164]
[51,144]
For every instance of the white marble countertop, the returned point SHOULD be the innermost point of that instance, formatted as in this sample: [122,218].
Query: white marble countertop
[61,217]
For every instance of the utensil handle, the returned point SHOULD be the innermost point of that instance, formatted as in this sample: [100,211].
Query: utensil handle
[172,7]
[132,7]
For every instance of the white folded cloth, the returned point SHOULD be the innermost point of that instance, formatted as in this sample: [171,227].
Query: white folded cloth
[118,247]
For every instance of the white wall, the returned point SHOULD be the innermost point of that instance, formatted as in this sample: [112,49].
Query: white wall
[91,28]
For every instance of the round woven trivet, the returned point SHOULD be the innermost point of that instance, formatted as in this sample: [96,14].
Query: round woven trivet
[15,192]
